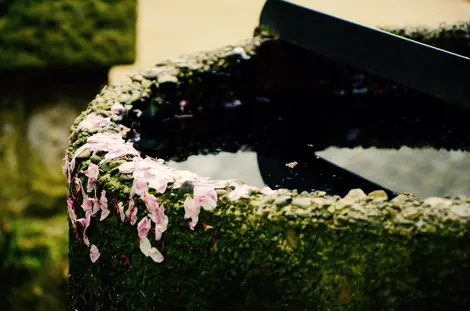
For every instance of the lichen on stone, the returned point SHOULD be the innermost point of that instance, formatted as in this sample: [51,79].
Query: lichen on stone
[450,37]
[146,236]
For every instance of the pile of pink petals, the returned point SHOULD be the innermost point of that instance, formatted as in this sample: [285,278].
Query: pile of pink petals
[148,176]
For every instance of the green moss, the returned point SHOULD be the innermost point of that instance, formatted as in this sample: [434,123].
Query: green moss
[67,33]
[451,37]
[241,259]
[360,252]
[34,264]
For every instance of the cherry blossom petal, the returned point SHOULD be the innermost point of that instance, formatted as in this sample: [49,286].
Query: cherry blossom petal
[160,219]
[242,191]
[151,202]
[143,227]
[103,200]
[75,155]
[104,213]
[123,128]
[191,211]
[131,212]
[149,251]
[85,222]
[129,167]
[118,109]
[96,207]
[268,191]
[93,121]
[86,240]
[94,253]
[147,174]
[206,197]
[159,184]
[71,212]
[121,211]
[139,187]
[161,227]
[92,173]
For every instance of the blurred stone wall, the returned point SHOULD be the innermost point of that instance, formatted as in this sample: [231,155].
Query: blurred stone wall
[37,108]
[54,58]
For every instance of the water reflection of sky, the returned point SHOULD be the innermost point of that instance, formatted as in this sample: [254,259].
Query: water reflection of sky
[425,172]
[241,165]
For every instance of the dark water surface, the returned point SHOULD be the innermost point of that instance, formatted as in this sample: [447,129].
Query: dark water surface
[318,125]
[424,172]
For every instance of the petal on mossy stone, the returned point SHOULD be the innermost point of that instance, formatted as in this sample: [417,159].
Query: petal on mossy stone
[94,253]
[149,251]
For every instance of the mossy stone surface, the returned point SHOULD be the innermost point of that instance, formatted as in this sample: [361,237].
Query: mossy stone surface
[451,37]
[36,34]
[289,251]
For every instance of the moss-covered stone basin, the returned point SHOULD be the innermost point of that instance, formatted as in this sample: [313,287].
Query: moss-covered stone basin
[144,236]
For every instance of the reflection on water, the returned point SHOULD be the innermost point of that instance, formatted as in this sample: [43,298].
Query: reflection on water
[289,103]
[424,172]
[225,165]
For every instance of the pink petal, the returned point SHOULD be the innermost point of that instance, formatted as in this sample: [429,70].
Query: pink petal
[242,191]
[118,109]
[143,227]
[128,167]
[131,212]
[93,121]
[145,246]
[161,227]
[92,173]
[149,251]
[268,191]
[71,211]
[86,240]
[121,211]
[138,187]
[104,213]
[85,222]
[88,204]
[191,209]
[159,183]
[96,207]
[103,200]
[206,197]
[161,221]
[94,253]
[75,155]
[156,255]
[151,202]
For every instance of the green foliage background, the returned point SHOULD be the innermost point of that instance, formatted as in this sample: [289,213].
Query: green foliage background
[51,52]
[43,33]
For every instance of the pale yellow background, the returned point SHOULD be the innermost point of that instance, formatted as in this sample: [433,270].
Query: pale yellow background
[168,28]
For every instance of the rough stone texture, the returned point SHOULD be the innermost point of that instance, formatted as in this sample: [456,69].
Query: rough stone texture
[450,37]
[283,251]
[67,33]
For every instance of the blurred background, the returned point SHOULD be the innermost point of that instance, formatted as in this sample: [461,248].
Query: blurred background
[55,56]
